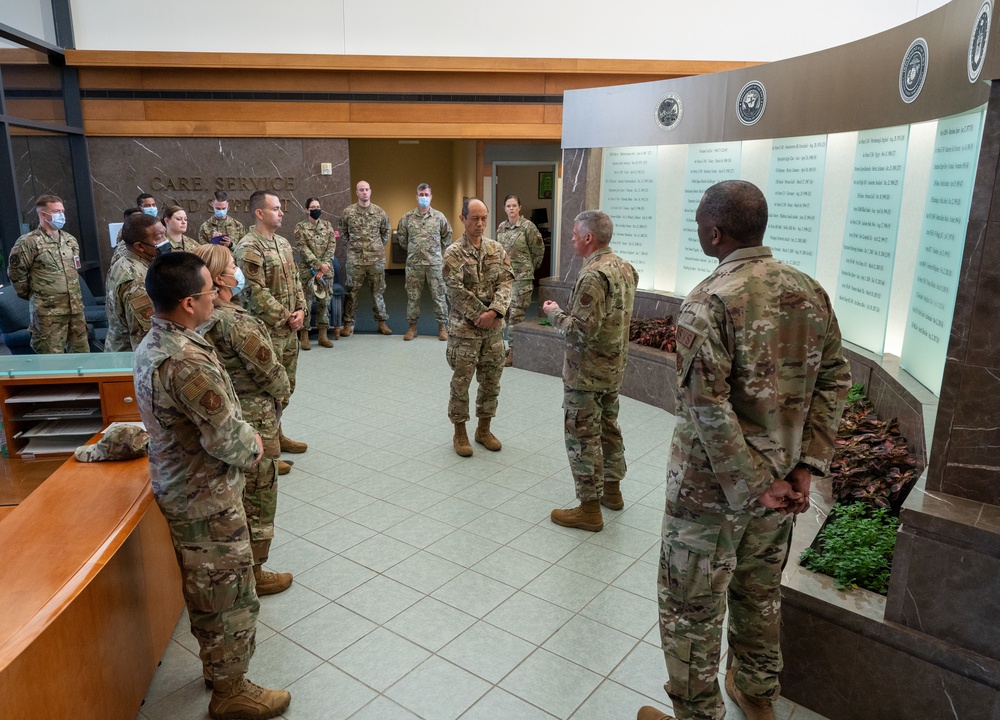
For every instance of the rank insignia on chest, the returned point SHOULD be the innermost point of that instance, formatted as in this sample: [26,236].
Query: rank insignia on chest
[211,401]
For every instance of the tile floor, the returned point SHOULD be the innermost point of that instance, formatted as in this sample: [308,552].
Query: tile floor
[433,586]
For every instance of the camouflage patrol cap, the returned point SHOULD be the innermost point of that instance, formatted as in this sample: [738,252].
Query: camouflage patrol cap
[123,442]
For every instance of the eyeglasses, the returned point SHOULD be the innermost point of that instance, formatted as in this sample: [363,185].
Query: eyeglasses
[214,293]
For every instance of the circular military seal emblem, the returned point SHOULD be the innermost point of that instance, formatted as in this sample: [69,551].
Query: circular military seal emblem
[669,111]
[750,102]
[913,71]
[978,41]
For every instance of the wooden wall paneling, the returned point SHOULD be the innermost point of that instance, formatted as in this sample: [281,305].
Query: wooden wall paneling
[445,113]
[553,115]
[114,110]
[241,61]
[139,128]
[243,111]
[110,77]
[248,79]
[539,131]
[448,82]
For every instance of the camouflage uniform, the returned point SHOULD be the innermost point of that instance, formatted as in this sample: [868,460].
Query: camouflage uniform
[43,270]
[315,244]
[525,248]
[186,244]
[244,349]
[126,304]
[226,226]
[198,443]
[365,232]
[424,237]
[478,279]
[596,332]
[273,292]
[761,382]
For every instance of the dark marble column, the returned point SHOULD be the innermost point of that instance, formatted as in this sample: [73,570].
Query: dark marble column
[965,454]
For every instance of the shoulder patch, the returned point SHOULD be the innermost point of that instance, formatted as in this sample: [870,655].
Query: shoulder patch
[253,348]
[198,388]
[253,256]
[142,306]
[585,299]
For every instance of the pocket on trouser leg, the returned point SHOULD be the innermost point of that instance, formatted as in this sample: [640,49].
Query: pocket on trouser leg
[677,653]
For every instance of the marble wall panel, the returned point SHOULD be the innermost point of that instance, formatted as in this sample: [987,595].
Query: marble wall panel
[42,166]
[892,685]
[984,330]
[819,661]
[937,578]
[186,171]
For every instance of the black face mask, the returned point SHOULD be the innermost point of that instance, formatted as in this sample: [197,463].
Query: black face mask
[315,213]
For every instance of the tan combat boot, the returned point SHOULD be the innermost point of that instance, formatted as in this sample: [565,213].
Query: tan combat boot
[290,446]
[461,441]
[323,340]
[240,699]
[612,497]
[284,467]
[508,359]
[336,333]
[348,330]
[585,517]
[304,339]
[412,332]
[442,331]
[383,329]
[753,708]
[484,437]
[269,583]
[651,713]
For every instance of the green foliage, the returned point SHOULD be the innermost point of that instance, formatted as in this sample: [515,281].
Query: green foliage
[855,547]
[856,392]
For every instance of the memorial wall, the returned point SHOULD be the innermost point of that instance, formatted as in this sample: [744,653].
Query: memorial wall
[867,154]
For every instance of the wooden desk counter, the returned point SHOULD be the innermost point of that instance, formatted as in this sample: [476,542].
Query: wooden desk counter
[89,591]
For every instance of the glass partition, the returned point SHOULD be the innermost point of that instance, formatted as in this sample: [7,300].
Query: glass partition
[68,364]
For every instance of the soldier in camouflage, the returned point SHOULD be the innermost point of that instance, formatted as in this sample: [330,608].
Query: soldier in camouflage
[525,248]
[274,293]
[596,329]
[244,349]
[761,384]
[175,219]
[229,230]
[478,277]
[424,233]
[199,443]
[126,302]
[364,227]
[119,245]
[43,268]
[315,246]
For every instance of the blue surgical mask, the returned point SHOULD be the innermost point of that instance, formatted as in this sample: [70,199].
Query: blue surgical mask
[164,247]
[151,211]
[424,202]
[221,214]
[241,282]
[58,220]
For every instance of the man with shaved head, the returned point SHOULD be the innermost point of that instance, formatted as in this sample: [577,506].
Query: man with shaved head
[479,281]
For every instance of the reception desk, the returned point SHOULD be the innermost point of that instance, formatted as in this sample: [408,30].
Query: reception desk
[89,591]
